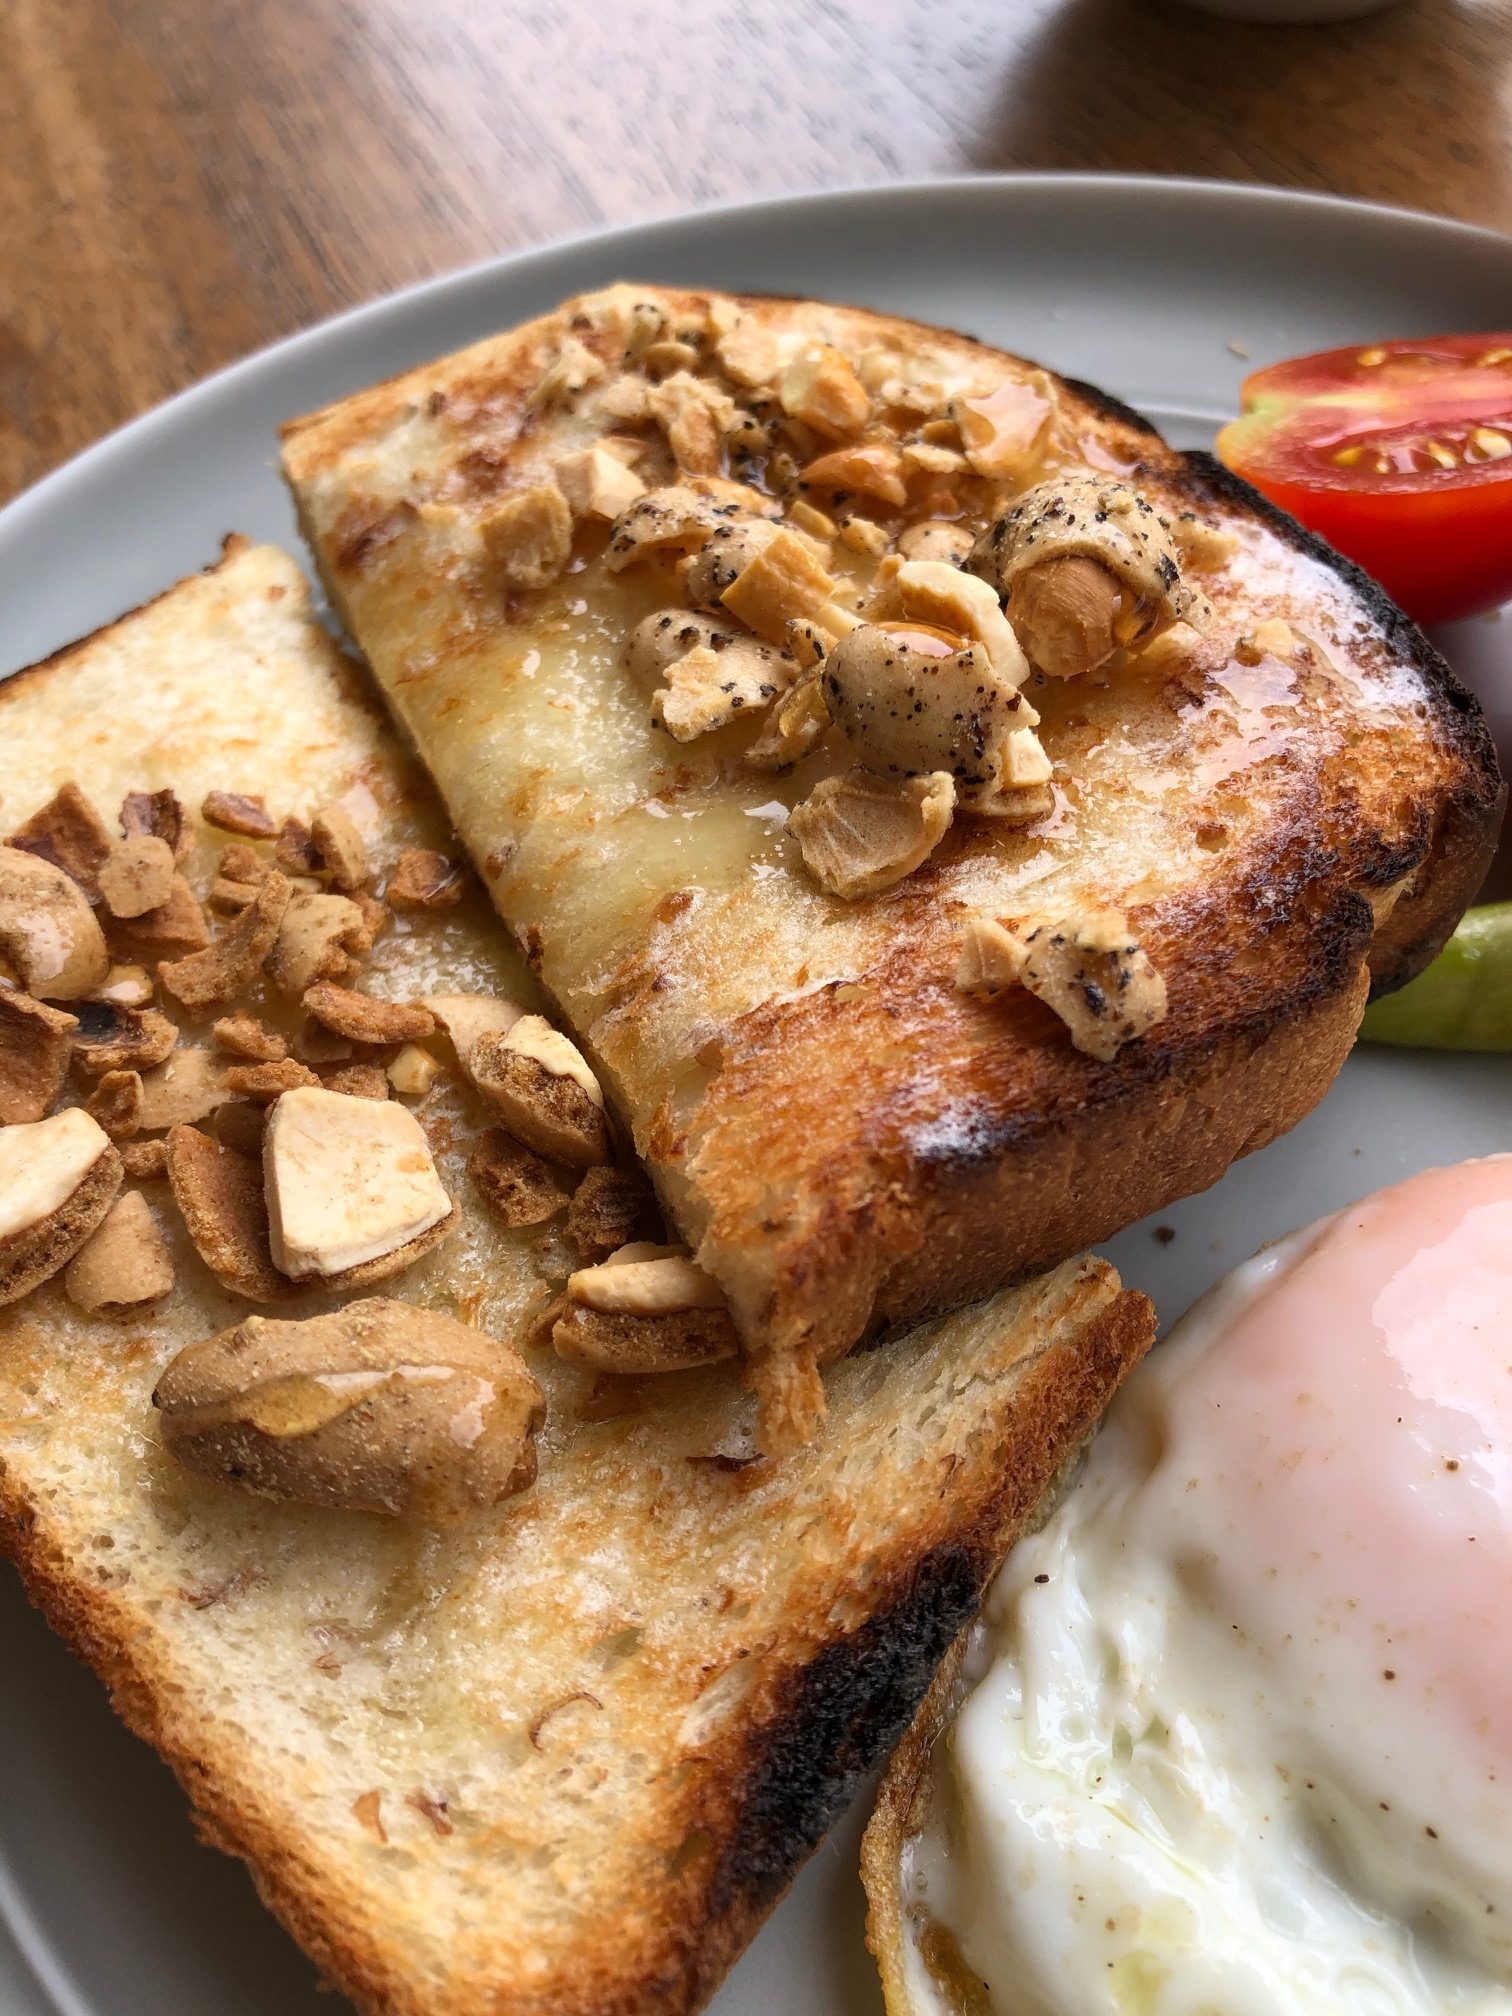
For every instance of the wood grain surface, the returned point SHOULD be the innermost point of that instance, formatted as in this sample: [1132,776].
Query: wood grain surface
[183,180]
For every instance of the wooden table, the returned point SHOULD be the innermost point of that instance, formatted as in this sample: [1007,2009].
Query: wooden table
[183,180]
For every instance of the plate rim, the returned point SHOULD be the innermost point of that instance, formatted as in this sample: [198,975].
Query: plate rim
[332,329]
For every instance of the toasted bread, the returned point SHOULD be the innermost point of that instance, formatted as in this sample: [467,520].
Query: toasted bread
[566,1759]
[846,1137]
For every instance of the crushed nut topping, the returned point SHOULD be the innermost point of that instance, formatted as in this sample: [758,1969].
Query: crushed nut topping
[362,1018]
[518,1186]
[178,927]
[124,1263]
[424,880]
[676,518]
[469,1018]
[992,960]
[243,1035]
[69,833]
[413,1072]
[144,1161]
[935,539]
[219,1193]
[48,932]
[796,725]
[116,1104]
[341,849]
[112,1039]
[711,672]
[528,536]
[269,1081]
[379,1407]
[353,1193]
[610,1208]
[58,1178]
[137,875]
[235,812]
[159,814]
[1097,978]
[874,468]
[819,387]
[596,483]
[695,416]
[188,1087]
[543,1090]
[226,968]
[784,580]
[571,371]
[35,1049]
[1101,525]
[1003,431]
[319,938]
[860,834]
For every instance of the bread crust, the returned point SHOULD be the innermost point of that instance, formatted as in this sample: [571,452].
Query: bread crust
[861,1153]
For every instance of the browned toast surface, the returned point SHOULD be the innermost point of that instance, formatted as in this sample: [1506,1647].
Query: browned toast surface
[844,1135]
[564,1761]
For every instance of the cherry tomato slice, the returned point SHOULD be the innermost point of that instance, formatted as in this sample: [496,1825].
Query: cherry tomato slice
[1399,454]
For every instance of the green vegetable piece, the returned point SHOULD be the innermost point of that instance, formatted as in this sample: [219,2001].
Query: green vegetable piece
[1464,999]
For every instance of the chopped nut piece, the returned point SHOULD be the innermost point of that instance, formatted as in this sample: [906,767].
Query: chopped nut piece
[240,863]
[160,814]
[723,556]
[797,724]
[47,930]
[177,927]
[596,483]
[859,834]
[783,581]
[712,672]
[819,388]
[315,1044]
[913,701]
[316,940]
[662,359]
[645,1280]
[874,468]
[1106,523]
[379,1407]
[375,919]
[573,369]
[610,1209]
[69,833]
[220,1195]
[126,987]
[296,852]
[817,524]
[543,1090]
[241,1124]
[935,539]
[695,416]
[518,1187]
[357,1081]
[137,876]
[116,1104]
[424,880]
[58,1178]
[1098,980]
[353,1193]
[528,536]
[229,966]
[626,398]
[631,1346]
[124,1263]
[1069,611]
[1204,547]
[233,812]
[468,1018]
[118,1039]
[267,1082]
[676,517]
[1274,638]
[413,1072]
[229,899]
[365,1019]
[35,1048]
[341,848]
[864,536]
[144,1161]
[934,460]
[191,1084]
[992,959]
[1003,431]
[937,593]
[245,1036]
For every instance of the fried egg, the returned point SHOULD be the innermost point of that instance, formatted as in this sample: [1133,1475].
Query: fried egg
[1238,1734]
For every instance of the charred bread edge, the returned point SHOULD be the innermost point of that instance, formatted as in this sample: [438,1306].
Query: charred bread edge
[822,1724]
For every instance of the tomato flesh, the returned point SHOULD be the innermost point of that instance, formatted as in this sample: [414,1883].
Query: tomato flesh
[1400,455]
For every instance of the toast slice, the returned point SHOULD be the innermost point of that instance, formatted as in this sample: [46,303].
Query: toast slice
[847,1136]
[566,1758]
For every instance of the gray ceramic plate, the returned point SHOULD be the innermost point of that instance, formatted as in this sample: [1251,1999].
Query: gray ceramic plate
[1159,291]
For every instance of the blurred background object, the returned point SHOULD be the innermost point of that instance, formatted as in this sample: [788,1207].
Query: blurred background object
[187,179]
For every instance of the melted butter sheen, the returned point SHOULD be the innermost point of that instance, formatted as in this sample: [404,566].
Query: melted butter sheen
[1241,1739]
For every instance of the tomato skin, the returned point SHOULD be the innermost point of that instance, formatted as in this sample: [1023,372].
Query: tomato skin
[1317,432]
